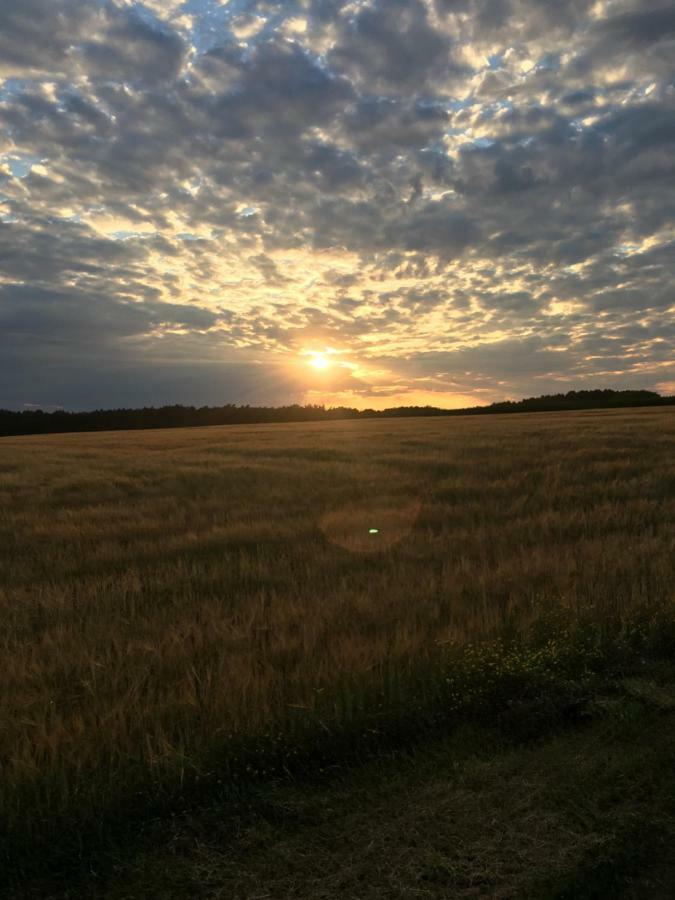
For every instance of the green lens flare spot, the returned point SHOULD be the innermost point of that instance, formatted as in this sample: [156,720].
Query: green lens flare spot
[373,531]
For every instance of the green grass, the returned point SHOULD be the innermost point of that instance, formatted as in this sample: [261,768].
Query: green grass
[202,610]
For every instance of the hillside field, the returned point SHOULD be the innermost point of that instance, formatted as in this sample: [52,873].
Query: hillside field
[210,611]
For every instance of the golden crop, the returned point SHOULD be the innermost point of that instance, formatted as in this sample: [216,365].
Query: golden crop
[164,592]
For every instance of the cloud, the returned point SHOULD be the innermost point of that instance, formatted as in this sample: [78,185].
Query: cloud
[131,49]
[459,195]
[393,46]
[87,40]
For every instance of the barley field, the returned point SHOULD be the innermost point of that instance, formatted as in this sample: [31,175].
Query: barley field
[168,596]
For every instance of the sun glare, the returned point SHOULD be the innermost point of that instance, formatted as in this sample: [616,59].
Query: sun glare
[319,360]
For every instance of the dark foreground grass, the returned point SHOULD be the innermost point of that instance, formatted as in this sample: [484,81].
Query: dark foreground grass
[510,694]
[586,812]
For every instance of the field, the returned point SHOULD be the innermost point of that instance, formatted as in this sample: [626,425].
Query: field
[198,612]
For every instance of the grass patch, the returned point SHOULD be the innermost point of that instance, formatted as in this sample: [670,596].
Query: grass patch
[582,812]
[523,688]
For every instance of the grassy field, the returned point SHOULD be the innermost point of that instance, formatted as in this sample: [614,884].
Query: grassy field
[190,611]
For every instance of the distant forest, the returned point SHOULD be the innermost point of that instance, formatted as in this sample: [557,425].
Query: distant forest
[36,421]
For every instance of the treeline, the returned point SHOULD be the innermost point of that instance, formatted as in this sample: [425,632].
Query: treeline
[37,421]
[599,399]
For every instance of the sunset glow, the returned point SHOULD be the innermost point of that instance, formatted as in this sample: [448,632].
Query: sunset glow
[319,361]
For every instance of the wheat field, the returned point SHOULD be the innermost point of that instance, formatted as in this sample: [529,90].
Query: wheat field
[166,593]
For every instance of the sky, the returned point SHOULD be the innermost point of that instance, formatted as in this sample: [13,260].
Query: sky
[371,204]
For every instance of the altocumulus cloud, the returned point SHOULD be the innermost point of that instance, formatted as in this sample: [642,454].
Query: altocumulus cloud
[467,199]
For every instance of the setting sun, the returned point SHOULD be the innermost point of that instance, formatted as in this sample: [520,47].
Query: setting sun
[319,360]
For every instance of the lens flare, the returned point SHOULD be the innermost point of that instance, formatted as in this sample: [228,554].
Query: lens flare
[351,526]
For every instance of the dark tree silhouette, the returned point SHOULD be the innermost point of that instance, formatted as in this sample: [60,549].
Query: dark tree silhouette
[39,422]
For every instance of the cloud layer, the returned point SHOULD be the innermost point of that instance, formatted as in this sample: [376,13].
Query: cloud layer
[466,200]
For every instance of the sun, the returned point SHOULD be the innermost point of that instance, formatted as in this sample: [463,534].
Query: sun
[318,360]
